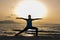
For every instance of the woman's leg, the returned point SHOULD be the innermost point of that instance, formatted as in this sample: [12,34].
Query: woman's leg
[21,31]
[36,30]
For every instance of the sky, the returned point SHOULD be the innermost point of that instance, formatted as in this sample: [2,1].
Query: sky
[53,7]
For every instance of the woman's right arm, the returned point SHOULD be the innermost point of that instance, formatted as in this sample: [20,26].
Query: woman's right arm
[21,18]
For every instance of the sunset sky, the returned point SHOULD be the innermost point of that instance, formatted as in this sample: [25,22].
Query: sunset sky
[52,16]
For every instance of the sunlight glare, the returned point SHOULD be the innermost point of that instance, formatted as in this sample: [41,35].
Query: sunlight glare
[34,8]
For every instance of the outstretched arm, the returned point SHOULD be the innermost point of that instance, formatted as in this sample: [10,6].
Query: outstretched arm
[37,19]
[21,18]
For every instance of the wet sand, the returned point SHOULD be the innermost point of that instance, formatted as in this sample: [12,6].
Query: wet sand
[52,37]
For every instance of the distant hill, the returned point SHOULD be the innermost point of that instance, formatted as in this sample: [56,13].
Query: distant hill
[7,21]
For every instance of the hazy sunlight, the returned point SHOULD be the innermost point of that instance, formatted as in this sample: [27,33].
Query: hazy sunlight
[33,7]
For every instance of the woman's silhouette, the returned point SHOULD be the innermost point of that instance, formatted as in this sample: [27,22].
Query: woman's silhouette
[29,25]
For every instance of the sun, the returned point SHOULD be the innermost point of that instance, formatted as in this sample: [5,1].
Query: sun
[30,7]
